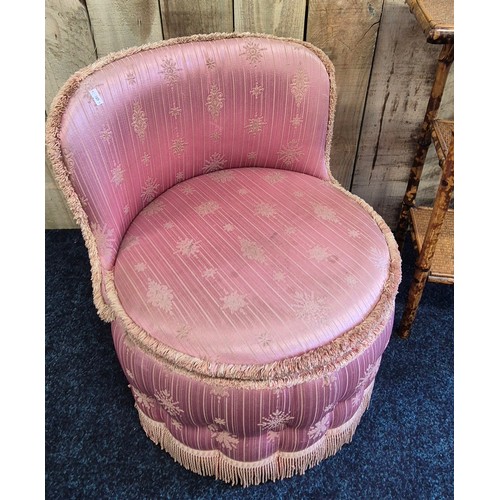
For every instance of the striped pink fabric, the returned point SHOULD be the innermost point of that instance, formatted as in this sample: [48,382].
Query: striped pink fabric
[140,124]
[226,265]
[247,424]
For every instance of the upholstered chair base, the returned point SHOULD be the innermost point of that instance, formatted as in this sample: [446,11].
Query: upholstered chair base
[280,465]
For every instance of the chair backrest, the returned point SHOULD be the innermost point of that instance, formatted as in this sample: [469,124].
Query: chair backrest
[136,122]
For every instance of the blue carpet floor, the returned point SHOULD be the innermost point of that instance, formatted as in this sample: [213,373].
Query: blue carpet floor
[95,447]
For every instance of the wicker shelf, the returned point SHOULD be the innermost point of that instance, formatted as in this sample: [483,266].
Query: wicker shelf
[431,227]
[442,135]
[435,17]
[442,269]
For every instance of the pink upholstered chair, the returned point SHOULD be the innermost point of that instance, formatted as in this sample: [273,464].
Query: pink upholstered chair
[250,296]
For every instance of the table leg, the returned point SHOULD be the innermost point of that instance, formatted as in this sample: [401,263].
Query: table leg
[424,260]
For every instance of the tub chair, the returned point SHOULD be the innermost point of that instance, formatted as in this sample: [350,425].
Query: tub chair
[250,296]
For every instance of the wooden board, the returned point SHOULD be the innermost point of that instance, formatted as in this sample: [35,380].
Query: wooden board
[57,213]
[191,17]
[69,46]
[347,31]
[119,24]
[402,76]
[281,18]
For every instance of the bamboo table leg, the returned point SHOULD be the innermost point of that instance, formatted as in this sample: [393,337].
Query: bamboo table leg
[422,269]
[444,63]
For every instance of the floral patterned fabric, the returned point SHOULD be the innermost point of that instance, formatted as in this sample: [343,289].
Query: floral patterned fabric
[143,123]
[247,425]
[250,265]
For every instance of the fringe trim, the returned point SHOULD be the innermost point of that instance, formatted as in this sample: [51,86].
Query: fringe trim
[60,170]
[278,466]
[285,372]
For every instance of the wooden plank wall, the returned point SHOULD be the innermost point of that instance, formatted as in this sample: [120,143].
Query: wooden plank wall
[401,81]
[69,45]
[117,24]
[347,32]
[384,71]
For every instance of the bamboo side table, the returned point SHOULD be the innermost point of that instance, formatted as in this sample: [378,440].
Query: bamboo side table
[431,228]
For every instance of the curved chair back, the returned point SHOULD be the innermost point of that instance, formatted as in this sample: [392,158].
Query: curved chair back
[136,122]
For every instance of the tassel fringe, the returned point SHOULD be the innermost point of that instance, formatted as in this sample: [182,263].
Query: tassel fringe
[278,466]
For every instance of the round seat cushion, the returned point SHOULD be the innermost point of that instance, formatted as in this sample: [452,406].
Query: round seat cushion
[249,266]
